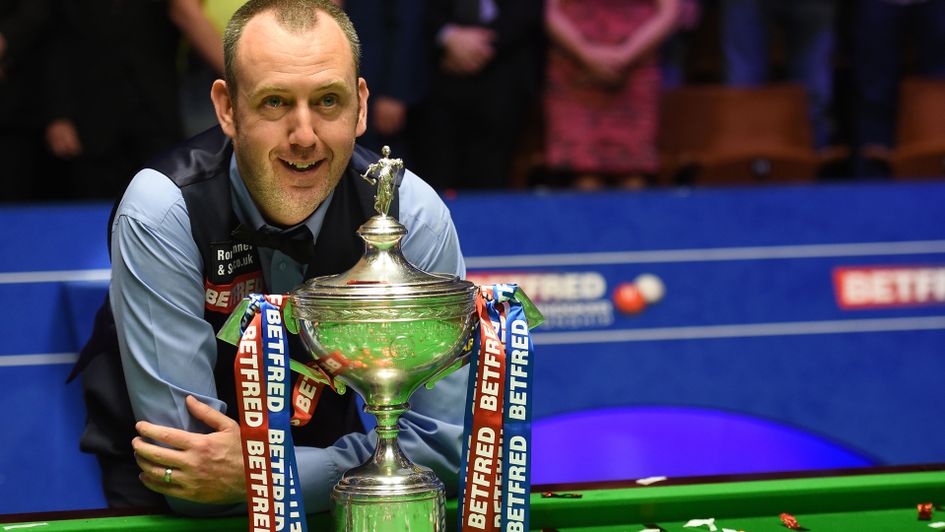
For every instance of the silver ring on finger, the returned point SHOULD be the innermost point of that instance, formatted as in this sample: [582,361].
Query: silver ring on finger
[167,475]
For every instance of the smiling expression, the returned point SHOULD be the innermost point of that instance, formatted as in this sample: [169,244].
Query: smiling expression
[298,109]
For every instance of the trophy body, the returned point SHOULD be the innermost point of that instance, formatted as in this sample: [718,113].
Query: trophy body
[384,328]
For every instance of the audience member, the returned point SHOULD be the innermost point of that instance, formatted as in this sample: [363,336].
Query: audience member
[201,22]
[203,33]
[23,26]
[111,90]
[880,32]
[457,78]
[391,33]
[807,28]
[486,66]
[603,87]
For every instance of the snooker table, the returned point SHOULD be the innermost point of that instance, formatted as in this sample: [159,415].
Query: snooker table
[879,499]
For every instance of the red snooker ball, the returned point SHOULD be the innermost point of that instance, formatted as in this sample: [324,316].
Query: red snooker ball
[628,299]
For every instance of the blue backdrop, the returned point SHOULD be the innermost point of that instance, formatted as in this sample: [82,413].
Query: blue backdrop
[749,361]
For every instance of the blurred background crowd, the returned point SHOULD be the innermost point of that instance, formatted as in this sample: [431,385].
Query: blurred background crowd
[503,94]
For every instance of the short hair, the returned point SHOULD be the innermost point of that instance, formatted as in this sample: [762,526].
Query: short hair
[293,15]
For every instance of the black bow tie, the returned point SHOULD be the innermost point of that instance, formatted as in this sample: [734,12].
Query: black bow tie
[296,244]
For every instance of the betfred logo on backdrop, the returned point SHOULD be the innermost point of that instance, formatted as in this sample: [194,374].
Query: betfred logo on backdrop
[868,287]
[567,300]
[577,300]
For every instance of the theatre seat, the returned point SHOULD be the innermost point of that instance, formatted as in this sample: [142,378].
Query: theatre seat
[713,134]
[637,442]
[920,131]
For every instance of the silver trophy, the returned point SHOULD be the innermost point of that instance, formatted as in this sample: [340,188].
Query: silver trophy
[384,328]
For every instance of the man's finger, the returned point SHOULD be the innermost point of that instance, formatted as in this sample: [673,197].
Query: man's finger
[172,489]
[157,454]
[176,438]
[156,471]
[214,419]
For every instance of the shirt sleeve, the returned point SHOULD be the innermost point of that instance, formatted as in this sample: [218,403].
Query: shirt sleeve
[431,431]
[431,243]
[167,349]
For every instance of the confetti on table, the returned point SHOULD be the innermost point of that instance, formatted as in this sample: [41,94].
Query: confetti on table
[710,522]
[650,480]
[556,495]
[789,521]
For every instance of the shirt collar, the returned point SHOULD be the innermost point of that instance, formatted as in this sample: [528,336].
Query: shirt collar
[248,214]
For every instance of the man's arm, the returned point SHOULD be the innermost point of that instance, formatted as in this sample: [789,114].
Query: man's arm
[404,78]
[193,23]
[61,65]
[435,418]
[168,350]
[431,243]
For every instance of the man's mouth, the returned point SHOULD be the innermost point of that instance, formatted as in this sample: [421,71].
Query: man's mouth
[301,166]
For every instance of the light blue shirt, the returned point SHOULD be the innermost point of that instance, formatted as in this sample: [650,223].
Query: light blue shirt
[168,351]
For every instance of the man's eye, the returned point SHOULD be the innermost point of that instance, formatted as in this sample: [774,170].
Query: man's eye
[329,100]
[273,102]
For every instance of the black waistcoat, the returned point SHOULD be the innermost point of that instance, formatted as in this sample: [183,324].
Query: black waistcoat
[200,168]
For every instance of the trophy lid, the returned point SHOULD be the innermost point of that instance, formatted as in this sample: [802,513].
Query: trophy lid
[382,275]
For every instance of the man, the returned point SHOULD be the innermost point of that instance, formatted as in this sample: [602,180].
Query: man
[24,27]
[108,61]
[884,34]
[290,108]
[809,37]
[394,61]
[486,64]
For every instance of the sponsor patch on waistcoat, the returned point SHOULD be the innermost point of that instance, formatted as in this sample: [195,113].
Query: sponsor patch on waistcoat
[234,272]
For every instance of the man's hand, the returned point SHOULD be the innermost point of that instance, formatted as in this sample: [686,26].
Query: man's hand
[468,49]
[63,139]
[206,468]
[390,115]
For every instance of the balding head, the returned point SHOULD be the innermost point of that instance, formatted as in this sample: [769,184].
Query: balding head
[293,15]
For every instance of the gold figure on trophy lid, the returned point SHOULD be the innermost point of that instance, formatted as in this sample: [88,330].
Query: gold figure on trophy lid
[386,170]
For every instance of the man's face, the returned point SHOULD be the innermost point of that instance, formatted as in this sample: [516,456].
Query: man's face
[293,121]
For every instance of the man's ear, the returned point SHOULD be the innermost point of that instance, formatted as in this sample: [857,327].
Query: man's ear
[363,94]
[223,105]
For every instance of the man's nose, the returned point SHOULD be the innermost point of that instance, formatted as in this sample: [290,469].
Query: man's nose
[302,127]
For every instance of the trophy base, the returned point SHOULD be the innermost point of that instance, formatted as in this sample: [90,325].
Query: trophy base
[412,500]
